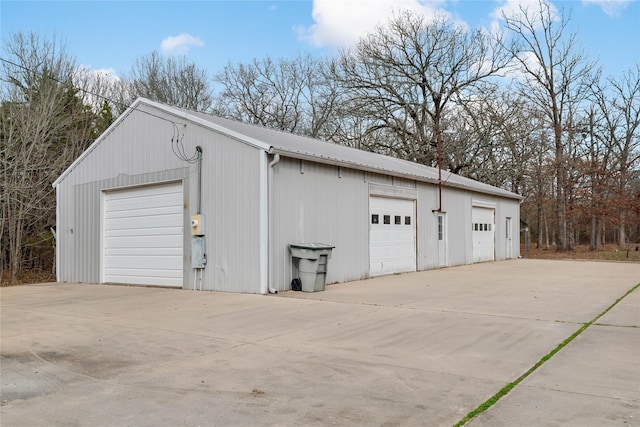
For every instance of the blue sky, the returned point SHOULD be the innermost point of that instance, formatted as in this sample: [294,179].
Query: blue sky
[110,35]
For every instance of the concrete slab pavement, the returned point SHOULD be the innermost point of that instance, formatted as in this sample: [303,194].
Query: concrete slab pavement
[594,381]
[415,349]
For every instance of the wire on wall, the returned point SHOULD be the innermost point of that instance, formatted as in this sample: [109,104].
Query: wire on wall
[178,147]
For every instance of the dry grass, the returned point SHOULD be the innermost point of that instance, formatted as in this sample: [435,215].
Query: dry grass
[27,277]
[582,252]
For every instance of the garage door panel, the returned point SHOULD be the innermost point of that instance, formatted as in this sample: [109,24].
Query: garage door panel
[150,242]
[141,222]
[392,245]
[152,252]
[124,206]
[136,213]
[143,236]
[144,262]
[149,272]
[159,278]
[147,197]
[155,231]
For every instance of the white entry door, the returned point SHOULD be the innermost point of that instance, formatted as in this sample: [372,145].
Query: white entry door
[483,234]
[142,235]
[509,239]
[442,240]
[392,236]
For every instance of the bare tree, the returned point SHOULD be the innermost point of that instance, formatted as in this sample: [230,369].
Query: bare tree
[170,80]
[618,105]
[43,128]
[293,95]
[103,92]
[404,75]
[555,77]
[496,136]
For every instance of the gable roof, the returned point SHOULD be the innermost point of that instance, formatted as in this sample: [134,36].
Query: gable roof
[301,147]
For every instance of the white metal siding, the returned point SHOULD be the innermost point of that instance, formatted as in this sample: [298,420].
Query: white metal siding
[135,152]
[138,152]
[392,237]
[312,202]
[231,203]
[483,229]
[143,235]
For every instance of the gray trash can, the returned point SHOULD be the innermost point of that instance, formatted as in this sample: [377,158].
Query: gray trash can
[311,261]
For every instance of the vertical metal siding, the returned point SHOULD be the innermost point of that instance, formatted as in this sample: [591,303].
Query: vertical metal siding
[322,205]
[457,204]
[80,222]
[231,205]
[137,152]
[311,203]
[425,225]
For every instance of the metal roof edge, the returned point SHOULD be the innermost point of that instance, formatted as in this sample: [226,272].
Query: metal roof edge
[491,190]
[337,162]
[214,126]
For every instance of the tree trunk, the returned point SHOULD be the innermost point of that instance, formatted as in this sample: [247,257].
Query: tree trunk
[546,233]
[15,253]
[622,231]
[593,238]
[540,215]
[560,195]
[600,235]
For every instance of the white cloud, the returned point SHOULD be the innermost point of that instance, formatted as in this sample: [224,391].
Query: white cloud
[612,8]
[180,44]
[343,22]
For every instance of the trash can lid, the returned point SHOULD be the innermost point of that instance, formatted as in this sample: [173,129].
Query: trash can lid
[310,246]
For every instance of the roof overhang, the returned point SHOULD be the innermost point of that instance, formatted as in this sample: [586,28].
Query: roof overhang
[495,191]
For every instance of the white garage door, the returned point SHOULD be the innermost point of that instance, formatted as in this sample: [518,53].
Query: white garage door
[483,231]
[143,235]
[392,236]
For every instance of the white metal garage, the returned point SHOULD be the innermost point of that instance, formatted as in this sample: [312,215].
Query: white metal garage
[118,220]
[142,235]
[483,228]
[392,236]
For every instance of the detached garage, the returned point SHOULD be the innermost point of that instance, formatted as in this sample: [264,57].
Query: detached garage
[171,197]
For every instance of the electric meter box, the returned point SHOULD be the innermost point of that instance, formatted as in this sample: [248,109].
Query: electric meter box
[197,225]
[198,253]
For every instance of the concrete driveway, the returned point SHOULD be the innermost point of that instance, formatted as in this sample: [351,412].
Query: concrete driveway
[420,349]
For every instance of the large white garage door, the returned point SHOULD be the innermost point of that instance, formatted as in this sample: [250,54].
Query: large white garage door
[392,236]
[143,235]
[483,231]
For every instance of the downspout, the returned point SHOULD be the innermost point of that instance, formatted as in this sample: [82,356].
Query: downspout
[526,232]
[57,241]
[275,161]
